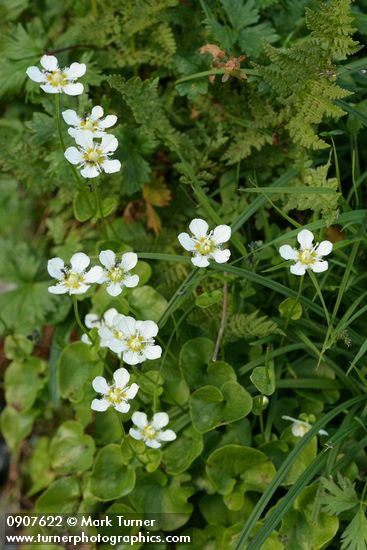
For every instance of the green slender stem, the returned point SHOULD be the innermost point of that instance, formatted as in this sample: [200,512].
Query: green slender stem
[178,295]
[289,316]
[214,72]
[182,318]
[319,293]
[85,331]
[58,121]
[94,8]
[100,209]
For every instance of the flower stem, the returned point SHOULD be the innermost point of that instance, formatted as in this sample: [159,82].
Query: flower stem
[85,331]
[100,209]
[222,320]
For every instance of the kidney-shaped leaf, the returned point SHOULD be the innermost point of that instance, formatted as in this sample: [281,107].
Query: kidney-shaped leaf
[112,477]
[71,450]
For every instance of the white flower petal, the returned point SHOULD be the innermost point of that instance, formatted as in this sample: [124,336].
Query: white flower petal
[199,227]
[71,117]
[160,420]
[58,289]
[100,405]
[305,239]
[109,121]
[85,139]
[323,432]
[81,289]
[135,434]
[89,172]
[117,346]
[73,89]
[298,269]
[324,248]
[132,391]
[186,241]
[200,261]
[126,324]
[147,329]
[105,333]
[76,70]
[79,262]
[97,112]
[94,274]
[153,443]
[111,166]
[110,315]
[100,385]
[121,378]
[222,234]
[35,74]
[131,280]
[285,417]
[288,253]
[139,419]
[49,62]
[132,357]
[299,428]
[129,261]
[55,267]
[73,155]
[91,320]
[49,89]
[320,267]
[167,435]
[85,339]
[109,143]
[107,258]
[152,352]
[221,256]
[114,289]
[122,407]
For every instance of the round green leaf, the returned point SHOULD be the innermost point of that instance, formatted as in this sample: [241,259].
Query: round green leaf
[290,309]
[71,451]
[264,379]
[17,346]
[84,206]
[180,454]
[40,468]
[77,367]
[147,303]
[15,425]
[22,382]
[211,407]
[234,470]
[111,477]
[61,497]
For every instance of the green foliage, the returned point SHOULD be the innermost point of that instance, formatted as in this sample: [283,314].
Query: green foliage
[250,326]
[229,111]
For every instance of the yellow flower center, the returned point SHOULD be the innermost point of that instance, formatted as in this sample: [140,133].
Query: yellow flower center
[149,432]
[116,396]
[88,124]
[307,256]
[118,334]
[93,156]
[135,343]
[205,246]
[57,78]
[116,274]
[73,280]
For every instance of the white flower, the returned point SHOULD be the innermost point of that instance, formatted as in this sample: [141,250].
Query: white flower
[300,427]
[150,432]
[116,273]
[92,156]
[117,395]
[133,339]
[309,256]
[54,80]
[91,122]
[206,247]
[92,320]
[74,279]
